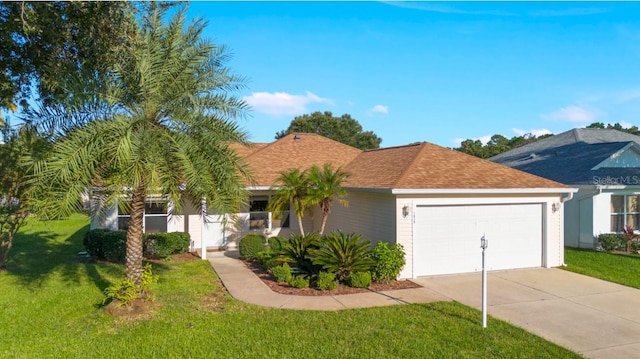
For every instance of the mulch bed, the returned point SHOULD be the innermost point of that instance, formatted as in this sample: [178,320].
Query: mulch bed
[284,288]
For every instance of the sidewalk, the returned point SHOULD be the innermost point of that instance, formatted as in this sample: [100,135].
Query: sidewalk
[245,286]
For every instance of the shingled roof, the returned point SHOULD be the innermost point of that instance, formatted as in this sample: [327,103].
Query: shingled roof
[570,157]
[296,150]
[417,166]
[428,166]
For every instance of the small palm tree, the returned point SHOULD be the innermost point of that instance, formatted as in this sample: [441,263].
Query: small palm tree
[292,189]
[160,122]
[325,187]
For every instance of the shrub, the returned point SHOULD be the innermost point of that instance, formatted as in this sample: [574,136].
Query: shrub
[299,281]
[264,256]
[327,281]
[277,243]
[612,241]
[250,245]
[342,254]
[164,244]
[282,273]
[106,244]
[359,280]
[125,291]
[296,250]
[389,261]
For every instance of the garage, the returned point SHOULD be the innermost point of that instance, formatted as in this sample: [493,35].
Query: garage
[447,238]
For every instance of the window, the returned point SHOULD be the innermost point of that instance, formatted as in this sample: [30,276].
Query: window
[260,218]
[625,210]
[155,217]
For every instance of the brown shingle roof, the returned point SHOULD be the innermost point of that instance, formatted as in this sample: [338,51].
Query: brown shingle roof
[298,150]
[428,166]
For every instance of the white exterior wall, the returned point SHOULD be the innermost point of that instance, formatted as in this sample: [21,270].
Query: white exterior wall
[553,241]
[108,221]
[373,215]
[601,215]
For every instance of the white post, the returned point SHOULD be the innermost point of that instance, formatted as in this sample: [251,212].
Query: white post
[203,224]
[484,244]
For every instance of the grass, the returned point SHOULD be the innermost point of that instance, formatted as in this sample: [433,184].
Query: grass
[51,308]
[617,268]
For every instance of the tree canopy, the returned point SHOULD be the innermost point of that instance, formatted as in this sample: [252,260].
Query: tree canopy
[159,125]
[344,129]
[39,41]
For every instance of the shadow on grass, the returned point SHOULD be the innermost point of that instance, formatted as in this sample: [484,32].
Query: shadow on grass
[39,254]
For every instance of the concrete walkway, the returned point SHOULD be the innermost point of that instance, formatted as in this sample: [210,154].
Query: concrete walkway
[245,286]
[596,318]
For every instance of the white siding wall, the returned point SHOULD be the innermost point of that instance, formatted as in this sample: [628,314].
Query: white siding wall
[601,214]
[554,251]
[108,221]
[373,215]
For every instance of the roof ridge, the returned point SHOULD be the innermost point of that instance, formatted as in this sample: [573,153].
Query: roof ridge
[412,163]
[577,135]
[393,147]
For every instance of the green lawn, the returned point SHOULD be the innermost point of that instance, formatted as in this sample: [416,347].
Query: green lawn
[50,308]
[617,268]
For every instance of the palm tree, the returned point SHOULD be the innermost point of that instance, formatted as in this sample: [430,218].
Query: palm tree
[325,186]
[292,189]
[159,122]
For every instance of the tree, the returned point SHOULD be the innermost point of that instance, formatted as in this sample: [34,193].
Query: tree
[41,40]
[497,144]
[343,129]
[325,186]
[160,123]
[14,183]
[292,188]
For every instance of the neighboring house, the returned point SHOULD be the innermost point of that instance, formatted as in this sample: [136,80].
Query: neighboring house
[603,164]
[434,201]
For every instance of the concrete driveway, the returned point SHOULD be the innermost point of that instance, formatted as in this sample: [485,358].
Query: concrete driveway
[596,318]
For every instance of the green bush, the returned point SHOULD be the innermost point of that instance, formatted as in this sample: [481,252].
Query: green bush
[327,281]
[252,244]
[296,251]
[612,241]
[389,261]
[342,254]
[359,280]
[105,244]
[164,244]
[277,243]
[299,281]
[282,273]
[125,291]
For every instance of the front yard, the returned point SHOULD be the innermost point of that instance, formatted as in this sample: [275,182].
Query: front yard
[51,308]
[618,268]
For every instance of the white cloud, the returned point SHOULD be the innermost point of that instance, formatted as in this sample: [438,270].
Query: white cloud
[534,131]
[573,113]
[379,109]
[282,103]
[484,139]
[625,124]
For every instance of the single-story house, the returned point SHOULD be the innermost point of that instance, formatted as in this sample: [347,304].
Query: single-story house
[434,201]
[604,164]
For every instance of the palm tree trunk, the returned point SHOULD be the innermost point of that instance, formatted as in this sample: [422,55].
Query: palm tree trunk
[300,224]
[5,247]
[324,222]
[133,259]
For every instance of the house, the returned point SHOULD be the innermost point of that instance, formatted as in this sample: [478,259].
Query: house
[434,201]
[604,164]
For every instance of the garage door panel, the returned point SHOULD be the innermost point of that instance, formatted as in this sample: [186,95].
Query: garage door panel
[447,238]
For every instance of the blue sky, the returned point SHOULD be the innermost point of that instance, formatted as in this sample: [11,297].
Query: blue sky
[436,72]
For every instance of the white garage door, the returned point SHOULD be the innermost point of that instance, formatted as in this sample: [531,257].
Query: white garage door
[447,238]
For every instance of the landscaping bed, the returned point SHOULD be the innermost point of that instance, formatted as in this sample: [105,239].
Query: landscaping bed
[284,288]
